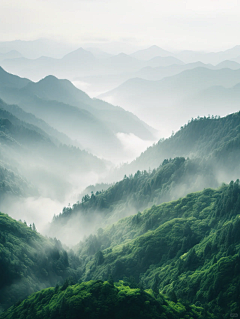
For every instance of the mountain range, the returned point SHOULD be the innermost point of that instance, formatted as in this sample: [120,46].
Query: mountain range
[94,124]
[202,154]
[171,100]
[154,237]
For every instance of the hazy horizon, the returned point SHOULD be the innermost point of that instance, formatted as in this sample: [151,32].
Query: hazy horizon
[172,25]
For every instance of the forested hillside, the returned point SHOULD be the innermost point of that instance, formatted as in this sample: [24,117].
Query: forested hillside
[30,262]
[101,300]
[12,184]
[174,178]
[216,139]
[188,248]
[209,150]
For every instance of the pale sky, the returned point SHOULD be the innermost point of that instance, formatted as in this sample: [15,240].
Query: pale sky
[171,24]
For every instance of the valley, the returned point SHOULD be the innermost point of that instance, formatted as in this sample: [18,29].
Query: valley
[124,203]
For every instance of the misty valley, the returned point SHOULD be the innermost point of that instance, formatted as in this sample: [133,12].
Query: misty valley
[119,183]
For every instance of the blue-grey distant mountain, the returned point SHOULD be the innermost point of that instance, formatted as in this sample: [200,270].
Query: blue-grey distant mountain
[82,63]
[228,64]
[93,123]
[208,57]
[36,156]
[76,62]
[150,53]
[56,136]
[164,101]
[158,73]
[36,48]
[99,54]
[163,61]
[10,55]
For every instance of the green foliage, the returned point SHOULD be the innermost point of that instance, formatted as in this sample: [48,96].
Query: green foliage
[100,300]
[175,177]
[12,184]
[217,139]
[29,262]
[187,249]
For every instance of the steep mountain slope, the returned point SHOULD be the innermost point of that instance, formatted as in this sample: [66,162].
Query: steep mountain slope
[28,151]
[24,117]
[212,138]
[30,262]
[174,178]
[100,300]
[119,120]
[93,123]
[12,184]
[189,247]
[8,80]
[212,145]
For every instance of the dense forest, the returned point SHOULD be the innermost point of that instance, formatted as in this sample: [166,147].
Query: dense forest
[207,151]
[30,262]
[176,260]
[101,300]
[172,179]
[189,247]
[154,238]
[214,138]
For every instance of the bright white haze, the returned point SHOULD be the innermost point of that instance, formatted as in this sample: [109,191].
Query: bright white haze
[173,24]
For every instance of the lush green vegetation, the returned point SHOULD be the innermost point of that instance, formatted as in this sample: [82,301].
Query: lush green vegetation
[212,144]
[185,253]
[174,178]
[213,138]
[30,262]
[12,184]
[187,248]
[101,300]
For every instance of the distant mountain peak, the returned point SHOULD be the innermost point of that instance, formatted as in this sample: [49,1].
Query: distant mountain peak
[122,54]
[150,52]
[49,78]
[79,53]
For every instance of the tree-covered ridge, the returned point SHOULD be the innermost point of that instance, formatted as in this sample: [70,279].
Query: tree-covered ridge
[216,138]
[29,262]
[13,184]
[174,178]
[29,151]
[213,147]
[101,300]
[189,247]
